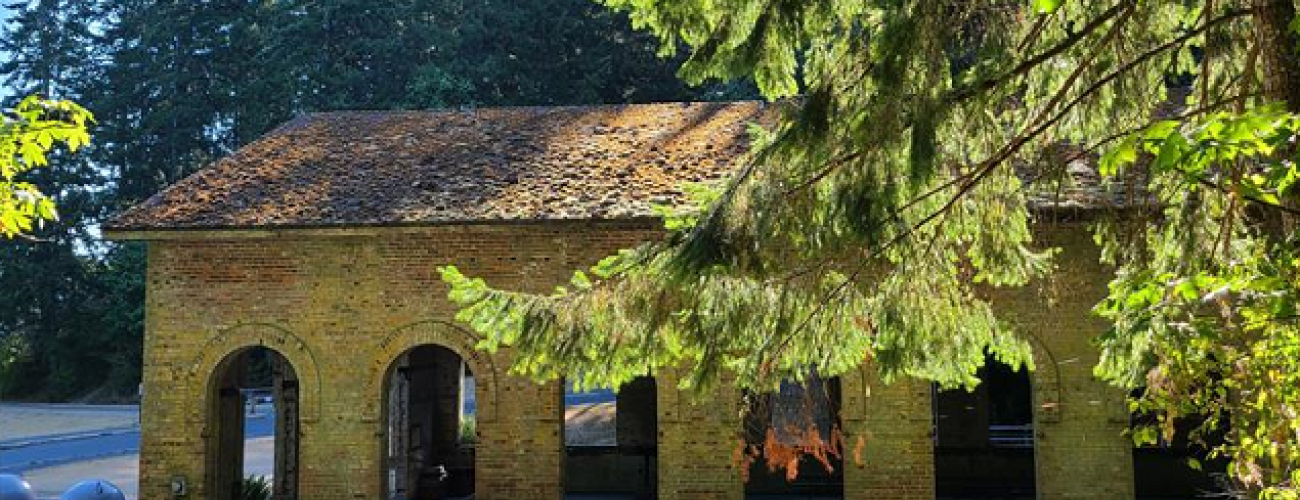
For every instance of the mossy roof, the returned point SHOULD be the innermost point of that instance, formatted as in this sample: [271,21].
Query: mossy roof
[375,168]
[429,167]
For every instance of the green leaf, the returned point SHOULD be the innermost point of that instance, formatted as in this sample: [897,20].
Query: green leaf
[1047,6]
[1123,154]
[1170,153]
[27,134]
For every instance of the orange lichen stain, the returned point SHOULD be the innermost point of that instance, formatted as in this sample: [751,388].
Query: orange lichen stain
[782,452]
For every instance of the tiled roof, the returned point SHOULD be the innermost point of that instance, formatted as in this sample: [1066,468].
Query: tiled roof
[497,164]
[428,167]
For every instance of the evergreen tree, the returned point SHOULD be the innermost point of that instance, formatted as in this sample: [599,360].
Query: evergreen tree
[557,52]
[348,54]
[170,91]
[176,84]
[48,46]
[863,223]
[419,54]
[44,278]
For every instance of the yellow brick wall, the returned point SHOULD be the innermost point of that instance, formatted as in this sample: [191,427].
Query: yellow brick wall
[888,432]
[342,306]
[1079,450]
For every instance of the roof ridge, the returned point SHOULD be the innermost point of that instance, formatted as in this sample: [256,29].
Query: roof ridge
[298,121]
[544,107]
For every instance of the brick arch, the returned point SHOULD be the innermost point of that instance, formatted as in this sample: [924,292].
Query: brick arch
[439,333]
[228,341]
[1045,381]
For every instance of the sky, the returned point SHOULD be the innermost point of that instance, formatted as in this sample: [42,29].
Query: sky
[4,17]
[5,14]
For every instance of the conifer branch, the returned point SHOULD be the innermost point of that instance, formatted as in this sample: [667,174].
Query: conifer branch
[1033,62]
[962,94]
[985,168]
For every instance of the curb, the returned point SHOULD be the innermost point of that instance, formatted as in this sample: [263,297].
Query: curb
[59,438]
[70,406]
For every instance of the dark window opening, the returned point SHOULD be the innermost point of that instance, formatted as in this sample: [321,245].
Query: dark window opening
[1164,470]
[787,419]
[430,427]
[611,442]
[984,438]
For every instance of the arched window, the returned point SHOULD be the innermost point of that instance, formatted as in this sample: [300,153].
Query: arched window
[253,426]
[430,409]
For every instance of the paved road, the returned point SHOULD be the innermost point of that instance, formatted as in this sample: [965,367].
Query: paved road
[19,421]
[37,453]
[598,396]
[18,456]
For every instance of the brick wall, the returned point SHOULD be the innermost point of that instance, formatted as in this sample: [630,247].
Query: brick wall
[1080,452]
[887,430]
[342,305]
[341,309]
[699,436]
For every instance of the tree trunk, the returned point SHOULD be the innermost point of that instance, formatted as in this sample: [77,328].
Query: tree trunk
[1279,57]
[1279,51]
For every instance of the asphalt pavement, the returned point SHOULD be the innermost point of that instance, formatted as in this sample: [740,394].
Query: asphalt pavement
[19,456]
[28,453]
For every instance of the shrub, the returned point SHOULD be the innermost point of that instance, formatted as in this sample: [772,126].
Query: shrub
[468,429]
[256,488]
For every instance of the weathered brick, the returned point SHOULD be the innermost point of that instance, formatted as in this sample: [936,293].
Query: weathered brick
[341,305]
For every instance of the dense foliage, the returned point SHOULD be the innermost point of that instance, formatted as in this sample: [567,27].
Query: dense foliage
[177,83]
[900,181]
[1205,303]
[27,134]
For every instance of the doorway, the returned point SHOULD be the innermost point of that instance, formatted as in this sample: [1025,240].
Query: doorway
[254,426]
[431,426]
[778,423]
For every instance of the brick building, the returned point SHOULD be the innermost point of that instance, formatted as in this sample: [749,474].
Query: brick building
[319,243]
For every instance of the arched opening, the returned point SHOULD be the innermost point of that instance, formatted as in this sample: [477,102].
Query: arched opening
[611,442]
[429,426]
[984,439]
[253,426]
[789,418]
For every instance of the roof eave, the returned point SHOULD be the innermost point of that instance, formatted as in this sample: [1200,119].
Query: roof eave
[210,232]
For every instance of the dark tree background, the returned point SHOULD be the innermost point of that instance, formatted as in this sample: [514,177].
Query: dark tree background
[178,83]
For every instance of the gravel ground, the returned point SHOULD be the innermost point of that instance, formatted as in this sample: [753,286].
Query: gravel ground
[22,421]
